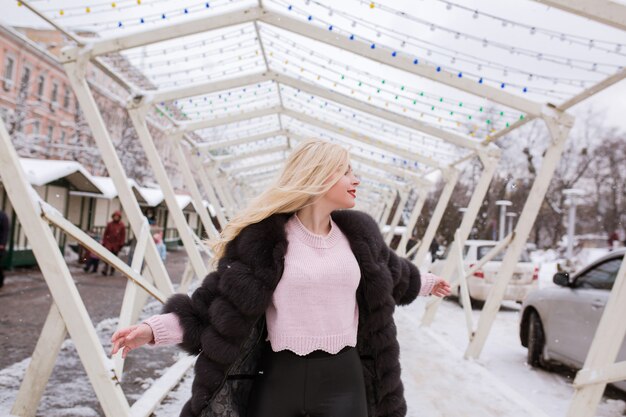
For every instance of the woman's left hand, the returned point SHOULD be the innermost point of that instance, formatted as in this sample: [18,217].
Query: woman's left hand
[441,288]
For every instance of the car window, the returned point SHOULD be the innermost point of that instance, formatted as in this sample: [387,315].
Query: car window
[484,250]
[600,277]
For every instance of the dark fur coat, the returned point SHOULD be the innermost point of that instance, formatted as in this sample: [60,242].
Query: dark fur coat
[224,319]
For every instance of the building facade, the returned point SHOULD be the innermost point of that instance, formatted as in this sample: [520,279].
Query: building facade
[44,119]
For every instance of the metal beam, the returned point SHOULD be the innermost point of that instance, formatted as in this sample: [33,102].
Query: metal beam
[401,62]
[190,126]
[209,146]
[202,88]
[162,33]
[604,11]
[256,166]
[376,111]
[256,153]
[305,118]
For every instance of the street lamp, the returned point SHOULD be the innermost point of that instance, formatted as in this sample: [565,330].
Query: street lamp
[571,195]
[503,205]
[511,217]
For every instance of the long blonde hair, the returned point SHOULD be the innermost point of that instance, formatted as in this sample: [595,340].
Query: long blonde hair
[311,170]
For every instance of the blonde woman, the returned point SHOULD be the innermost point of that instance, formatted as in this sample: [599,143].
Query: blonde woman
[297,319]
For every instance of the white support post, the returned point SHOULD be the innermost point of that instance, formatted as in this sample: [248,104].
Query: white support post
[217,186]
[200,170]
[76,75]
[192,186]
[138,118]
[404,196]
[41,364]
[391,198]
[452,176]
[133,302]
[227,188]
[417,209]
[602,353]
[186,279]
[469,217]
[457,252]
[60,282]
[559,125]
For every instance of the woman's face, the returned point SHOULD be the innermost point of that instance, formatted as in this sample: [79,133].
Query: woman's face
[343,193]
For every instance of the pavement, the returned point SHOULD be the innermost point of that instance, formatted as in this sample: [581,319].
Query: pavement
[24,305]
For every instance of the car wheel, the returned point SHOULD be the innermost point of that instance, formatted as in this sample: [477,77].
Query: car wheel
[536,340]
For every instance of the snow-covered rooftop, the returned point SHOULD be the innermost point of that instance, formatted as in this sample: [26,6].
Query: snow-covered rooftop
[44,171]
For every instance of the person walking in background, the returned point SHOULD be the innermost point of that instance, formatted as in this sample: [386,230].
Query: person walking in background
[613,237]
[4,238]
[434,248]
[298,317]
[91,259]
[158,241]
[114,238]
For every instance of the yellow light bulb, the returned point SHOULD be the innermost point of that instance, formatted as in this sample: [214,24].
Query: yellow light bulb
[61,12]
[88,10]
[113,4]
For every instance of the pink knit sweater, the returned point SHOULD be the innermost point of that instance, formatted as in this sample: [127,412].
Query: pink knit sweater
[314,305]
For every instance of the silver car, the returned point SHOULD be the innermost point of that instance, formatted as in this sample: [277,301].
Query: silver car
[558,323]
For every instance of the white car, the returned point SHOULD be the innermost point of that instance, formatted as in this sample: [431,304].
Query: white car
[525,276]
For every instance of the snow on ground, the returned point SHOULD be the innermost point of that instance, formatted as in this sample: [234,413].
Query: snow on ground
[438,381]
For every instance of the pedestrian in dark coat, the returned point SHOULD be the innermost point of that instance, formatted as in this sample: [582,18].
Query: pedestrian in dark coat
[114,238]
[4,239]
[245,368]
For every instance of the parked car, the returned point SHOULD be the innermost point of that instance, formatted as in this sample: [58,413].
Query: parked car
[558,324]
[525,275]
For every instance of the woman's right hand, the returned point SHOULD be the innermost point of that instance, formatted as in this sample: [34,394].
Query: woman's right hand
[130,338]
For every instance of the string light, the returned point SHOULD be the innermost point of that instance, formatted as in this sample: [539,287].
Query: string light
[575,39]
[356,81]
[547,92]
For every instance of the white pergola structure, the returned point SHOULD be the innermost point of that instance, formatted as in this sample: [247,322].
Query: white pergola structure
[239,83]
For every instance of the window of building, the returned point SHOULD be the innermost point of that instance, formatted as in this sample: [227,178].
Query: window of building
[4,114]
[54,96]
[36,127]
[41,86]
[66,97]
[25,82]
[63,137]
[9,64]
[50,131]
